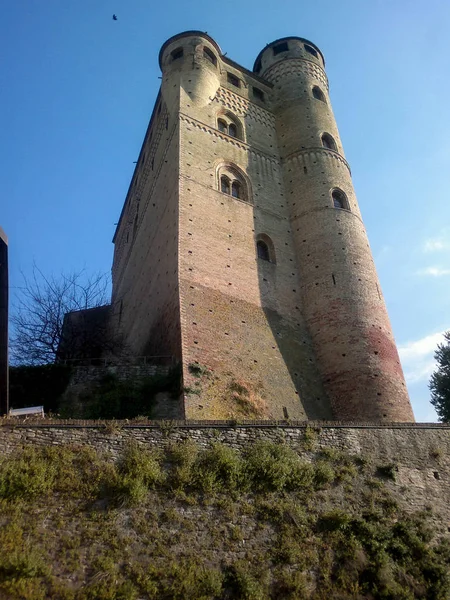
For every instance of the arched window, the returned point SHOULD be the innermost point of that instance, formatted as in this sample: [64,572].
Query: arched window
[236,189]
[229,124]
[262,250]
[339,199]
[225,184]
[328,142]
[209,55]
[233,182]
[318,94]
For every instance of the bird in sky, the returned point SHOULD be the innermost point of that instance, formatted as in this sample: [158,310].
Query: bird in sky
[114,18]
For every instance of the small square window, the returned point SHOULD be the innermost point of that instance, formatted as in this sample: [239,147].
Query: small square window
[233,80]
[283,47]
[178,53]
[259,94]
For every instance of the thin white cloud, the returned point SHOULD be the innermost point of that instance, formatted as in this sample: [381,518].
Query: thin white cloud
[435,245]
[434,272]
[418,357]
[438,243]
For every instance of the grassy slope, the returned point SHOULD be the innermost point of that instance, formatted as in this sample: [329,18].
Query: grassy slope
[197,524]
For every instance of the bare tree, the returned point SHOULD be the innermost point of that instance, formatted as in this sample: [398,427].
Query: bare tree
[40,327]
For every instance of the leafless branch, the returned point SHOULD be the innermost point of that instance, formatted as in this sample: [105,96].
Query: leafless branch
[39,309]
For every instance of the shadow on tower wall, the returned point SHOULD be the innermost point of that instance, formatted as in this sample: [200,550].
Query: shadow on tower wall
[297,376]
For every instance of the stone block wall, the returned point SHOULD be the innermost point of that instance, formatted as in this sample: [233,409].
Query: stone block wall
[419,453]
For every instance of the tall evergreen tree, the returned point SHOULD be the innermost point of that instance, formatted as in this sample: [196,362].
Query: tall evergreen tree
[440,381]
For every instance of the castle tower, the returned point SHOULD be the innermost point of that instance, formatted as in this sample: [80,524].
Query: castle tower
[342,300]
[240,249]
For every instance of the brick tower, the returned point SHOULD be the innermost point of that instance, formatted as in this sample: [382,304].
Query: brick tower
[241,251]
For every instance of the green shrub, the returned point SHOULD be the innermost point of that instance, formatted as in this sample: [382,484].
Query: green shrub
[336,520]
[71,470]
[22,566]
[198,370]
[387,471]
[26,475]
[323,474]
[276,467]
[219,468]
[139,463]
[188,580]
[243,584]
[182,456]
[138,470]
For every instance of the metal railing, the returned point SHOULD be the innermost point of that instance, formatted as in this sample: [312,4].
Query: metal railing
[158,360]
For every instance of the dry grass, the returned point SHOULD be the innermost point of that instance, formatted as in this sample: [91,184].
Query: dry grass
[248,398]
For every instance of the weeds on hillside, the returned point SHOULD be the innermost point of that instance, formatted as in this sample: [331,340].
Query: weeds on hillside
[210,523]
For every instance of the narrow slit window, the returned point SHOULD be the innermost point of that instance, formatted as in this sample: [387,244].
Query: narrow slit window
[311,50]
[262,250]
[258,66]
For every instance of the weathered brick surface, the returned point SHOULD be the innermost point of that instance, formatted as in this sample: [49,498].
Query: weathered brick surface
[309,332]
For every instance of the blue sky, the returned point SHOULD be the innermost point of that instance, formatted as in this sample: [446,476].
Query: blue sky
[78,89]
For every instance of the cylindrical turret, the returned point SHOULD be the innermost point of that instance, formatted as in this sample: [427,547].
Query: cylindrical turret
[188,62]
[342,300]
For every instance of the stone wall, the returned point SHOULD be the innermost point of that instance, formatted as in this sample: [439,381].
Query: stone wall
[420,454]
[85,379]
[87,374]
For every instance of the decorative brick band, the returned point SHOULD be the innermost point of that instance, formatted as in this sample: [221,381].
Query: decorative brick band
[296,66]
[320,150]
[244,107]
[226,138]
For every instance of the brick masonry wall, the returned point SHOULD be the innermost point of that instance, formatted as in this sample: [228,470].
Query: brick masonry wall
[308,334]
[145,269]
[342,301]
[420,452]
[240,316]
